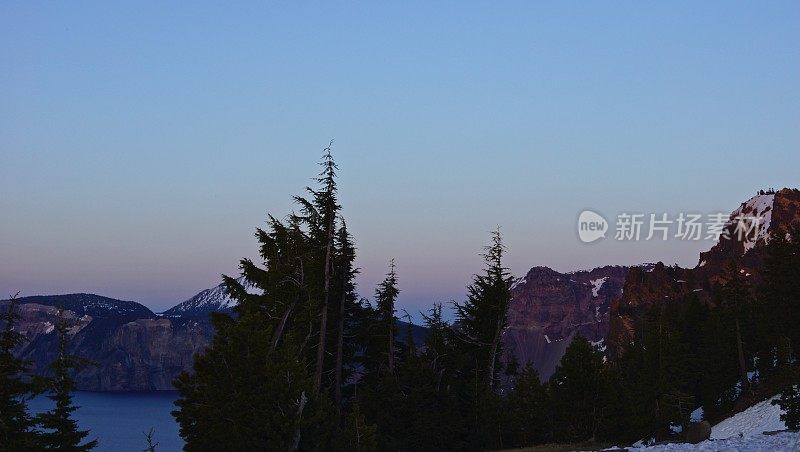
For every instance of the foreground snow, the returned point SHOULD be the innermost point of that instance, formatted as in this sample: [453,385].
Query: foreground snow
[779,442]
[759,418]
[744,432]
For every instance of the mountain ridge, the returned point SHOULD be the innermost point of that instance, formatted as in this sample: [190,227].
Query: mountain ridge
[137,349]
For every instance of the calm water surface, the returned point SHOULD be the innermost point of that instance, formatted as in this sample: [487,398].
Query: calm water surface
[119,420]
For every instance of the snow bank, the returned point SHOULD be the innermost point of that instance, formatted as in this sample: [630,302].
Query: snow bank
[742,432]
[780,442]
[759,418]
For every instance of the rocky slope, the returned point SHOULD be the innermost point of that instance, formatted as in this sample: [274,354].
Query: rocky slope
[549,308]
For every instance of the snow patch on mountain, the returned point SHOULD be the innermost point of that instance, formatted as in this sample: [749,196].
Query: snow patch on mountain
[758,207]
[210,300]
[597,284]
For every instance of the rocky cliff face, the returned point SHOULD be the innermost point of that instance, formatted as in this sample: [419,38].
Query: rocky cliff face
[130,347]
[549,308]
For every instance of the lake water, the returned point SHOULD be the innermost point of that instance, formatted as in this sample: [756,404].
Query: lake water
[119,420]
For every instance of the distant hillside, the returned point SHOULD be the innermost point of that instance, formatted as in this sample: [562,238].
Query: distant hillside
[133,348]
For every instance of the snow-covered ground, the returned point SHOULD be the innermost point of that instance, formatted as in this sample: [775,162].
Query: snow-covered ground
[744,432]
[761,417]
[780,442]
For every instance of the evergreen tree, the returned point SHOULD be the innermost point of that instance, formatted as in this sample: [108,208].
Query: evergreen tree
[667,361]
[60,430]
[385,297]
[482,317]
[736,304]
[265,380]
[321,216]
[440,346]
[719,366]
[357,435]
[16,425]
[789,401]
[419,406]
[780,299]
[580,390]
[480,321]
[528,411]
[348,308]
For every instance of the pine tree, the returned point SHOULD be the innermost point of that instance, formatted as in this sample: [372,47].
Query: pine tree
[326,207]
[789,401]
[385,297]
[265,380]
[60,430]
[16,425]
[357,435]
[439,345]
[345,279]
[580,390]
[482,317]
[667,358]
[779,299]
[240,397]
[528,410]
[719,365]
[736,303]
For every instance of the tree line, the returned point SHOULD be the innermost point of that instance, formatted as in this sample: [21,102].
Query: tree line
[304,363]
[55,429]
[307,365]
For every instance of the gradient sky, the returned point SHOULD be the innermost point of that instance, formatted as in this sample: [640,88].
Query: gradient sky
[141,144]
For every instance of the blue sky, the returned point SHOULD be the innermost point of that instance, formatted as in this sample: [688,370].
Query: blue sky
[141,144]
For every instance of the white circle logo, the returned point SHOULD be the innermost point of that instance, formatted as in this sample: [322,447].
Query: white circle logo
[591,226]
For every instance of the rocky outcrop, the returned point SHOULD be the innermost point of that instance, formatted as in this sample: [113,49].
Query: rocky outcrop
[697,432]
[548,309]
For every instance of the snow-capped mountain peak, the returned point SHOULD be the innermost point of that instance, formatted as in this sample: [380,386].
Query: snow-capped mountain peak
[209,300]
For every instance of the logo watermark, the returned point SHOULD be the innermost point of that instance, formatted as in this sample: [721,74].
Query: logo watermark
[591,226]
[684,226]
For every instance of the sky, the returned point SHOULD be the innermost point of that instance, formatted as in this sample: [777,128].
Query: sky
[142,143]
